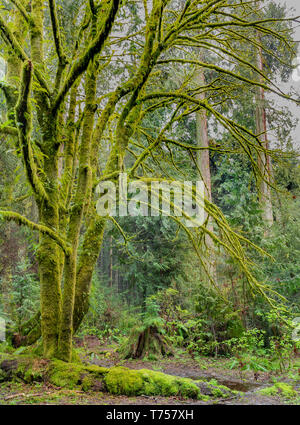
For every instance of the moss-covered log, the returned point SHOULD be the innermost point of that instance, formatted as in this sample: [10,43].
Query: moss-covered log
[115,380]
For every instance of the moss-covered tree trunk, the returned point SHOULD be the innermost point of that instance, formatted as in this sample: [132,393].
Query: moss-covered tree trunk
[53,190]
[49,274]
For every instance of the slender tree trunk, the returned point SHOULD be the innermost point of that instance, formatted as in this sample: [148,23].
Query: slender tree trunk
[264,160]
[110,262]
[203,161]
[90,252]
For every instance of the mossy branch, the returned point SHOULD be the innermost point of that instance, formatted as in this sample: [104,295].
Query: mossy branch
[252,142]
[82,63]
[226,72]
[17,50]
[7,88]
[23,221]
[24,118]
[56,33]
[11,40]
[93,7]
[23,12]
[8,130]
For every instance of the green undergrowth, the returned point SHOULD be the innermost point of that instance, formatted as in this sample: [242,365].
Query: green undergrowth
[280,389]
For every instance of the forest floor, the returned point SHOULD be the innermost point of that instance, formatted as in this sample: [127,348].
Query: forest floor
[247,383]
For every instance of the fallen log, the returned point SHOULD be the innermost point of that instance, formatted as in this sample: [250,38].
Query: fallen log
[114,380]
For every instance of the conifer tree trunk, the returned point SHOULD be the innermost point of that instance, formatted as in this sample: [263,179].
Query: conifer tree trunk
[203,161]
[264,160]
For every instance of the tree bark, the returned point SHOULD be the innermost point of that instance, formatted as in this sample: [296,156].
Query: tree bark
[264,160]
[203,161]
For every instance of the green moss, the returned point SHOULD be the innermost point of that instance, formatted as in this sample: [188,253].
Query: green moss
[23,366]
[75,357]
[280,389]
[26,369]
[87,382]
[34,375]
[38,350]
[72,375]
[63,376]
[220,390]
[214,390]
[121,380]
[66,375]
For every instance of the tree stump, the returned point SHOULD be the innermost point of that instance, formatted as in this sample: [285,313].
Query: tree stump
[145,342]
